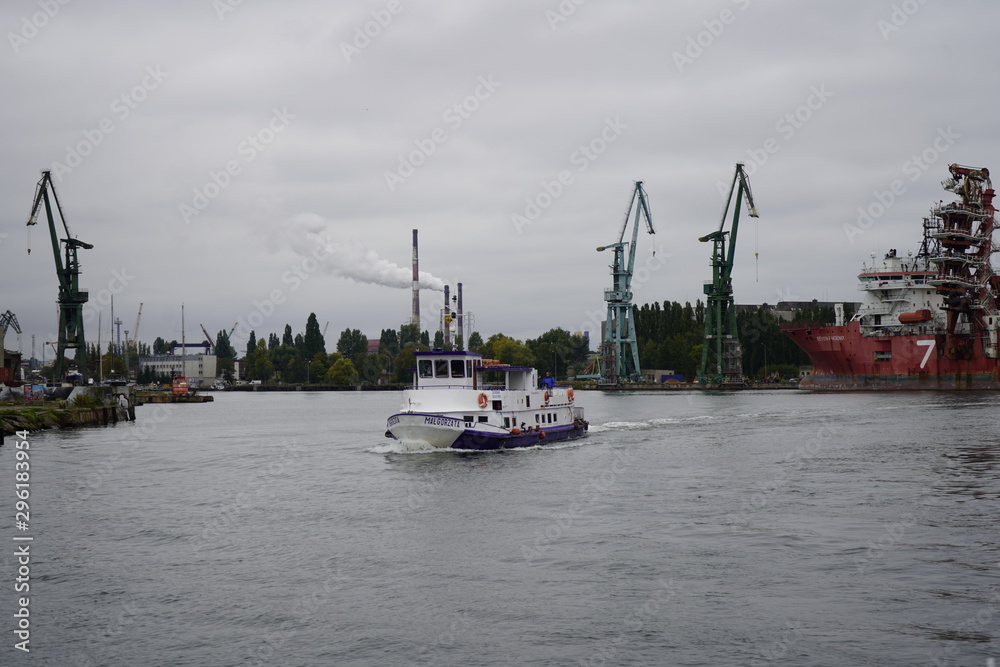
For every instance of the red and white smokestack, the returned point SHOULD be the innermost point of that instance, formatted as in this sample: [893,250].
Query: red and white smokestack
[415,316]
[460,332]
[446,320]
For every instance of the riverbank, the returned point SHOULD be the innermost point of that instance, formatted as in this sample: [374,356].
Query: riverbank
[37,418]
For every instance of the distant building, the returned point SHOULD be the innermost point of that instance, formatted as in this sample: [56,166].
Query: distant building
[200,370]
[373,344]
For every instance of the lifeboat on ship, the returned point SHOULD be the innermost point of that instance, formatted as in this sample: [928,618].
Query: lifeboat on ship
[917,316]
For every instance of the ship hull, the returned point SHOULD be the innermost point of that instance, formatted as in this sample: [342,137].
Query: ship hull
[449,432]
[845,360]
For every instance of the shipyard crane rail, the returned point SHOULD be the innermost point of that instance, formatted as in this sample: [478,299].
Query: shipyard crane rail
[721,354]
[619,349]
[71,297]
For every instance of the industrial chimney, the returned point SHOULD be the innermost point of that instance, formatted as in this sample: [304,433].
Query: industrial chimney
[415,317]
[446,319]
[460,332]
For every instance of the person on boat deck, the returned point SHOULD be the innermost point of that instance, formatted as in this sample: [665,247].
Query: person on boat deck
[548,381]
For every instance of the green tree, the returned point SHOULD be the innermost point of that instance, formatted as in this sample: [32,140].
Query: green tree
[409,333]
[389,342]
[313,340]
[507,350]
[159,346]
[286,337]
[342,372]
[557,350]
[263,367]
[352,343]
[475,341]
[251,345]
[226,355]
[295,370]
[318,367]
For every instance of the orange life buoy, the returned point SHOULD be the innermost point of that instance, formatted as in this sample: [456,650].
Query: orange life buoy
[541,435]
[516,431]
[569,393]
[484,400]
[546,397]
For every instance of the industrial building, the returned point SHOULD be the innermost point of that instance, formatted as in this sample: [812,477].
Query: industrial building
[200,368]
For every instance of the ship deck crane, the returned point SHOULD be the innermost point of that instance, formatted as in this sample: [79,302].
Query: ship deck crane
[71,297]
[721,353]
[619,350]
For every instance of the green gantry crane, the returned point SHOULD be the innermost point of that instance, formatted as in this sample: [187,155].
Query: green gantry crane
[721,354]
[71,298]
[619,352]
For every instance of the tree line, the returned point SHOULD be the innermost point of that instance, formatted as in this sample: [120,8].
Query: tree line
[669,336]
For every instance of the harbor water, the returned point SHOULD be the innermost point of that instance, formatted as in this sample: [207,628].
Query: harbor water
[688,528]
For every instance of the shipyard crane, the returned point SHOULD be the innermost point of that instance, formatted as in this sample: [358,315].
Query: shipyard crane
[721,354]
[7,321]
[135,329]
[208,336]
[619,351]
[71,297]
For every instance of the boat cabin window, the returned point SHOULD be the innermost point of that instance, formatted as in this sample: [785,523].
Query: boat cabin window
[457,368]
[483,418]
[468,368]
[440,368]
[425,368]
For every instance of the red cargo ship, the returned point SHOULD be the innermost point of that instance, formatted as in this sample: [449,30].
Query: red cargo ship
[927,321]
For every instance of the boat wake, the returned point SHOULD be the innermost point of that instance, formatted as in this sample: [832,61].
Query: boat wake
[647,424]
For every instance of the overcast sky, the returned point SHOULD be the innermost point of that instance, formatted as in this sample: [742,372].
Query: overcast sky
[255,161]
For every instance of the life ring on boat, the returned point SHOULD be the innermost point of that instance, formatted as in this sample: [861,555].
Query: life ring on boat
[484,400]
[546,397]
[569,393]
[515,431]
[541,435]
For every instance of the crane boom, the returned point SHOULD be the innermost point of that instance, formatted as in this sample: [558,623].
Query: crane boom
[71,297]
[619,349]
[721,354]
[135,330]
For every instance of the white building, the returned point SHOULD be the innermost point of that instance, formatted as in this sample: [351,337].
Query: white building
[199,369]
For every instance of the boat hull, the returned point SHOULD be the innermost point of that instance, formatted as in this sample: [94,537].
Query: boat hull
[451,433]
[844,359]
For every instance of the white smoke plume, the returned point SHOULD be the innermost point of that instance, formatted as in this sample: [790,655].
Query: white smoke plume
[307,234]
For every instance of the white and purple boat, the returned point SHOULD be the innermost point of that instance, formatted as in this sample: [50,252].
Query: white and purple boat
[462,401]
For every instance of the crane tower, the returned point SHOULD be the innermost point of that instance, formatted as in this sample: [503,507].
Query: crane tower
[71,297]
[619,351]
[721,354]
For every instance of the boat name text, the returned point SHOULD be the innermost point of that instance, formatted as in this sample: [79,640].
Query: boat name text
[443,421]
